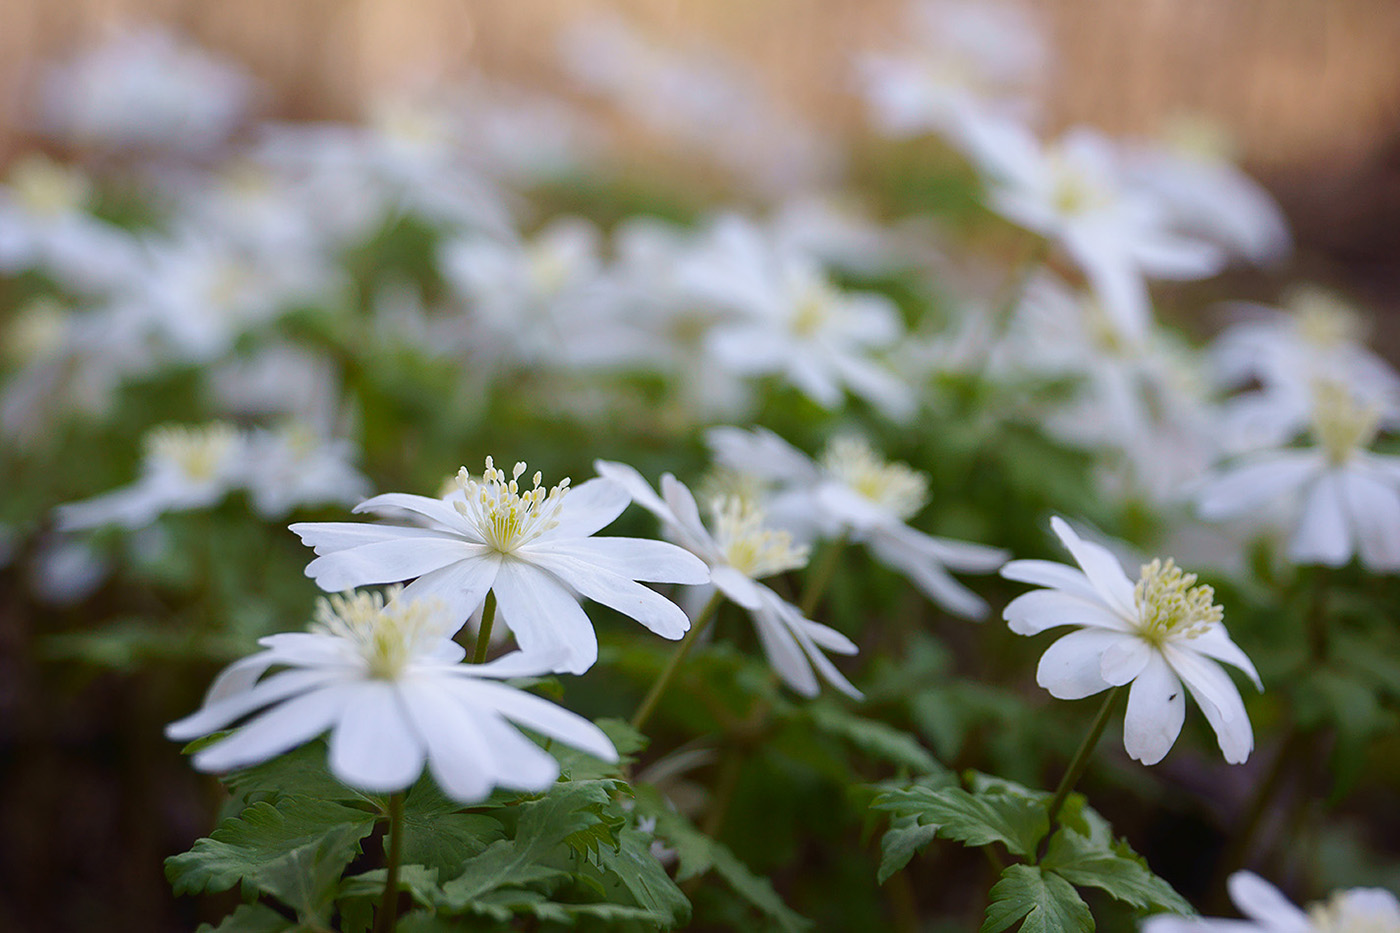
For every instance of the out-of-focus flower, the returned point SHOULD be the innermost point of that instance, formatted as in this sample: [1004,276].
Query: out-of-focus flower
[1157,634]
[144,89]
[1355,910]
[853,492]
[533,548]
[66,570]
[293,465]
[1350,496]
[387,683]
[184,468]
[741,551]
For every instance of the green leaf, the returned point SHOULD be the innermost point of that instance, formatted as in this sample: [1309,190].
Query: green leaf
[251,918]
[873,737]
[976,820]
[437,835]
[904,837]
[420,883]
[1098,861]
[302,772]
[1048,902]
[295,851]
[644,877]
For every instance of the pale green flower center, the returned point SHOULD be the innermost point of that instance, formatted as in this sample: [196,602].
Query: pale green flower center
[1342,424]
[1074,192]
[813,312]
[47,189]
[894,487]
[723,483]
[387,637]
[199,452]
[749,547]
[229,282]
[1170,605]
[1323,320]
[549,267]
[413,125]
[1343,913]
[505,516]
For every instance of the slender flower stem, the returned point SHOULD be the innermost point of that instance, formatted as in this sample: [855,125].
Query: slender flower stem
[389,908]
[483,634]
[1077,766]
[663,680]
[820,576]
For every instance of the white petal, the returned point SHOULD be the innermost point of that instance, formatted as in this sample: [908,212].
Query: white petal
[1216,643]
[278,730]
[387,562]
[1218,698]
[1375,511]
[233,706]
[1260,901]
[329,537]
[1034,612]
[435,510]
[688,524]
[1100,566]
[1156,710]
[804,630]
[930,577]
[520,763]
[1117,283]
[460,759]
[736,586]
[959,555]
[781,648]
[588,508]
[1051,574]
[636,485]
[1322,536]
[373,746]
[1124,661]
[545,617]
[459,588]
[632,599]
[542,716]
[636,559]
[507,666]
[1070,668]
[1237,490]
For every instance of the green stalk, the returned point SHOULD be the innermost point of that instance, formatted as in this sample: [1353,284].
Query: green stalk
[820,576]
[663,680]
[1077,766]
[389,908]
[483,634]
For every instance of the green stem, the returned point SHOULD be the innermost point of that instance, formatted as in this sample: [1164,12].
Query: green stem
[1077,766]
[663,680]
[389,908]
[820,576]
[483,634]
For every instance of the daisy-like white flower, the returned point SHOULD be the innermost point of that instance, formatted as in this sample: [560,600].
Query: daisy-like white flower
[1355,910]
[740,552]
[387,682]
[1157,634]
[855,493]
[294,465]
[532,547]
[1350,496]
[184,468]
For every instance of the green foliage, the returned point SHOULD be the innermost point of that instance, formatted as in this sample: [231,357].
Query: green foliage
[974,819]
[1048,903]
[877,739]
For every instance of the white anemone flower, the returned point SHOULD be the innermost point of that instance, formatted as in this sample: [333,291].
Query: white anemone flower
[295,465]
[1157,634]
[855,493]
[1350,496]
[738,553]
[533,548]
[184,468]
[387,682]
[1355,910]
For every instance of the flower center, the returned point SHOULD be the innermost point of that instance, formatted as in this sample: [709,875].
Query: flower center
[894,487]
[749,547]
[388,636]
[47,189]
[1170,605]
[1074,193]
[198,453]
[1341,424]
[1323,321]
[813,312]
[549,267]
[1345,912]
[506,517]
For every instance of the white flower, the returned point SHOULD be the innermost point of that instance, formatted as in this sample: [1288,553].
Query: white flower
[741,551]
[1350,496]
[387,683]
[533,548]
[184,468]
[1157,634]
[293,465]
[854,492]
[1356,910]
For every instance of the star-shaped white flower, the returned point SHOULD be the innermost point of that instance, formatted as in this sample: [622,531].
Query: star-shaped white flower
[387,683]
[740,552]
[1157,634]
[533,548]
[1356,910]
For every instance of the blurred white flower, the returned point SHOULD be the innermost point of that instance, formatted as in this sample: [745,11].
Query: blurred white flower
[293,465]
[1350,497]
[65,571]
[1156,634]
[855,493]
[1355,910]
[183,468]
[532,548]
[741,551]
[144,89]
[1074,193]
[387,683]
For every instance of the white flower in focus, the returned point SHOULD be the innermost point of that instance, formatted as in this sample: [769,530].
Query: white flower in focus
[854,492]
[184,468]
[293,465]
[532,547]
[387,683]
[1157,634]
[1074,193]
[739,552]
[1356,910]
[1350,497]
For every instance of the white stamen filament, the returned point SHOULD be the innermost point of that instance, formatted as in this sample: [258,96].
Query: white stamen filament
[1170,605]
[895,487]
[198,452]
[749,547]
[505,516]
[387,634]
[1341,424]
